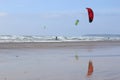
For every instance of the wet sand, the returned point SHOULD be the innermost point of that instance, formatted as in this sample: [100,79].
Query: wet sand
[60,60]
[40,45]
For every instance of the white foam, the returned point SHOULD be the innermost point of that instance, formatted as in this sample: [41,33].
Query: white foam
[13,38]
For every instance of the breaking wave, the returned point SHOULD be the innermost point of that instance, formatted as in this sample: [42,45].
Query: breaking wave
[13,38]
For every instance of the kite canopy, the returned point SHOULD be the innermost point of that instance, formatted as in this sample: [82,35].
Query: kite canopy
[77,21]
[90,14]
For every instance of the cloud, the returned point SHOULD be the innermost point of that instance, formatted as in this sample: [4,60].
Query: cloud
[3,14]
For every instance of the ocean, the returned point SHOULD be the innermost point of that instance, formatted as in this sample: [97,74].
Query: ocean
[26,38]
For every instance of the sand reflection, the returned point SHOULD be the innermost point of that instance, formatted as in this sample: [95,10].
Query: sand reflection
[90,68]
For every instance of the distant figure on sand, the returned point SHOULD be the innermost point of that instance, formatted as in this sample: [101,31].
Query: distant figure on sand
[90,69]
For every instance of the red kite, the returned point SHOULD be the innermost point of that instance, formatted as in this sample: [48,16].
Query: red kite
[90,14]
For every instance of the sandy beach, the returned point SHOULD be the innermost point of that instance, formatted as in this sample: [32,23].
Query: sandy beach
[71,44]
[60,60]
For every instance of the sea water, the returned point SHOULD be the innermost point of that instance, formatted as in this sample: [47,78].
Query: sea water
[25,38]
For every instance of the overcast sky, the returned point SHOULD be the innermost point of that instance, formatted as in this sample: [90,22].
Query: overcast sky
[57,17]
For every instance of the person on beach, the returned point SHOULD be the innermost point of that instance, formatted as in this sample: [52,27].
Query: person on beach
[56,38]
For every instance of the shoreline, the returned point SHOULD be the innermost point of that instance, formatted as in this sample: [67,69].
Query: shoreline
[46,45]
